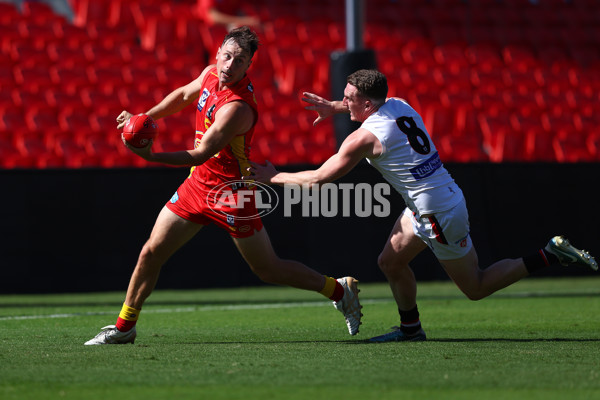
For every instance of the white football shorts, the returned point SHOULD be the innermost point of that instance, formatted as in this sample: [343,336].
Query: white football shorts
[446,233]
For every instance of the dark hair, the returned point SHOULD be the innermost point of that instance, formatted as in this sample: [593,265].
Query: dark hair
[370,83]
[243,37]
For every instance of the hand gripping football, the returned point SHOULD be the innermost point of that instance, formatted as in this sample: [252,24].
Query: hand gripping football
[139,130]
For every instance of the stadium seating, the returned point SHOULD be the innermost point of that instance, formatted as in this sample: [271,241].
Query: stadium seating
[495,80]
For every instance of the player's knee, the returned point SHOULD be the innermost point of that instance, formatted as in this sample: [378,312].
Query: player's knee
[264,272]
[383,263]
[146,254]
[389,266]
[151,255]
[474,292]
[267,276]
[475,295]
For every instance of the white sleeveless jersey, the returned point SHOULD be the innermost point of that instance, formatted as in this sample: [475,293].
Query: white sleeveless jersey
[409,160]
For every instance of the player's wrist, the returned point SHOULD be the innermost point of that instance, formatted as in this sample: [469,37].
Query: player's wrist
[340,108]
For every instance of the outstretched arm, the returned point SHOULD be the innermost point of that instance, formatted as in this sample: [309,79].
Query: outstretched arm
[218,17]
[358,145]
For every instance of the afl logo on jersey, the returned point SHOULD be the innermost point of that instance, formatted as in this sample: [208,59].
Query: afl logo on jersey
[251,88]
[203,97]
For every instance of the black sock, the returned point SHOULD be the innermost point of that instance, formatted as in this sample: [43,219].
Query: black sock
[539,260]
[409,321]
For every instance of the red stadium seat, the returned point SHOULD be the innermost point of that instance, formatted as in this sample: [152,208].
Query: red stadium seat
[318,31]
[439,120]
[593,144]
[30,144]
[586,124]
[456,86]
[74,120]
[571,147]
[506,145]
[524,103]
[63,100]
[34,8]
[109,58]
[101,146]
[9,12]
[526,68]
[484,57]
[86,11]
[69,77]
[212,37]
[521,81]
[558,122]
[35,78]
[12,119]
[461,149]
[519,57]
[74,154]
[466,122]
[292,74]
[488,82]
[9,154]
[388,62]
[134,100]
[452,56]
[158,30]
[65,56]
[524,123]
[140,75]
[120,12]
[104,123]
[40,118]
[419,53]
[538,145]
[490,124]
[108,37]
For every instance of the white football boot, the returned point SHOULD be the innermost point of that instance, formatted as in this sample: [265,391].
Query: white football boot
[111,335]
[349,304]
[567,254]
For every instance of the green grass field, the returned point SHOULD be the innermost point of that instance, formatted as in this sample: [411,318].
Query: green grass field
[539,339]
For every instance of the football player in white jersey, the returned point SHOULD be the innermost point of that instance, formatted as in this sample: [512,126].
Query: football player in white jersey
[394,140]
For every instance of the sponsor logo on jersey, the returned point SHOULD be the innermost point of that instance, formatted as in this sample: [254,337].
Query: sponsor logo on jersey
[427,168]
[203,97]
[175,198]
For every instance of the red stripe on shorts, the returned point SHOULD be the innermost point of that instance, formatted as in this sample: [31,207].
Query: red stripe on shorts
[437,229]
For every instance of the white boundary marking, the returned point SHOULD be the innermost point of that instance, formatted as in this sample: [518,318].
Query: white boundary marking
[231,307]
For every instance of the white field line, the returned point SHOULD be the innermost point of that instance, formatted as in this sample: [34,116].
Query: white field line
[232,307]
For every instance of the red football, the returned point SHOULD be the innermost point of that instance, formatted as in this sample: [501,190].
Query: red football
[139,130]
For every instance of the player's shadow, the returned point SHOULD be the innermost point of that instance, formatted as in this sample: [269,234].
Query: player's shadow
[366,341]
[263,342]
[515,340]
